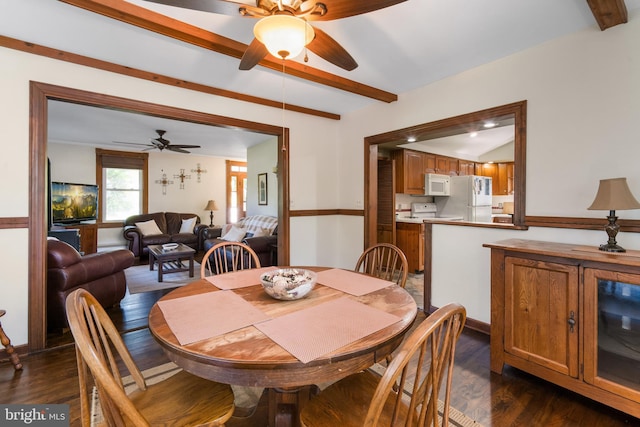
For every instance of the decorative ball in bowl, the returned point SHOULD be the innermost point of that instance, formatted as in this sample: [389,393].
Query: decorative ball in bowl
[288,283]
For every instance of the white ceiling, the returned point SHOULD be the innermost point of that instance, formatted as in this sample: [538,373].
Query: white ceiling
[398,49]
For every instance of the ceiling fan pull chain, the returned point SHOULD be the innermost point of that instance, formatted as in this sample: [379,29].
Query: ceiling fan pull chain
[284,148]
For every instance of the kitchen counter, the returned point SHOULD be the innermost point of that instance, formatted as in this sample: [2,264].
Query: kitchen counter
[421,220]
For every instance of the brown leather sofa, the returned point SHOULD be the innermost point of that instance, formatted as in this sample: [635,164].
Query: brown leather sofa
[102,274]
[169,224]
[263,246]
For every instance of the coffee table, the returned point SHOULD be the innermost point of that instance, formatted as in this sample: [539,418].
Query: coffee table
[170,261]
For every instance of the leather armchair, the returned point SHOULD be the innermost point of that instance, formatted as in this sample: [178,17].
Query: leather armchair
[102,274]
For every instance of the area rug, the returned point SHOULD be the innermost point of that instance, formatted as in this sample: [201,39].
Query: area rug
[245,397]
[141,279]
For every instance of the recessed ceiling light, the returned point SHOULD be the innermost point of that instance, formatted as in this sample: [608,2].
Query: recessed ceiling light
[489,125]
[411,139]
[473,134]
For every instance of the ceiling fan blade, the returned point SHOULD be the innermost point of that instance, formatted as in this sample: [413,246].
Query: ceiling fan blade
[182,146]
[337,9]
[129,143]
[254,54]
[222,7]
[176,149]
[327,48]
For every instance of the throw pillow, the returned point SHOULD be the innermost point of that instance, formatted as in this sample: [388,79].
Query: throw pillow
[187,225]
[261,232]
[148,228]
[235,234]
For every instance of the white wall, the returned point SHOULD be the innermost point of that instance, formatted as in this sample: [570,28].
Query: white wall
[583,96]
[262,158]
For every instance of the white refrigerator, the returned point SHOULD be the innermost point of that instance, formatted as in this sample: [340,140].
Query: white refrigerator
[470,198]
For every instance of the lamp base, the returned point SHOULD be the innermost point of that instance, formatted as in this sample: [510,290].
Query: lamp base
[612,248]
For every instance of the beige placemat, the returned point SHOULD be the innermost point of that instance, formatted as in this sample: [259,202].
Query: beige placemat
[351,282]
[238,279]
[207,315]
[310,333]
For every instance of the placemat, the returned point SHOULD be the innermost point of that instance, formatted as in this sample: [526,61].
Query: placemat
[310,333]
[238,279]
[351,282]
[207,315]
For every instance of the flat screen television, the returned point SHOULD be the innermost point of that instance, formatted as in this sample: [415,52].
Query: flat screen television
[73,203]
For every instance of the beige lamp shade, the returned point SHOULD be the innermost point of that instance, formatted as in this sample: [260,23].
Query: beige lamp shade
[211,206]
[614,194]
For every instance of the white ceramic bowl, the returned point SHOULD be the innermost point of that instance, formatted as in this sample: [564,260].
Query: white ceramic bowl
[288,283]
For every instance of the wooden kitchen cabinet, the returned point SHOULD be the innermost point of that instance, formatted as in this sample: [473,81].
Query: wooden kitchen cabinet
[569,314]
[410,240]
[430,163]
[409,171]
[446,165]
[466,167]
[501,176]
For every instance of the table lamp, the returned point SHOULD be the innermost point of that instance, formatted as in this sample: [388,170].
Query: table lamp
[211,206]
[613,194]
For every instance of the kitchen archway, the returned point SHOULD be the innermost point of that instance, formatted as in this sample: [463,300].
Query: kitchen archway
[516,111]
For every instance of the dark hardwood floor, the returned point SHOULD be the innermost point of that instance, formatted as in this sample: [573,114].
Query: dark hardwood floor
[512,399]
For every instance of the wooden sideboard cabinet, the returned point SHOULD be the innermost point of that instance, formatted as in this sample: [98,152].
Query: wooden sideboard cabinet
[569,314]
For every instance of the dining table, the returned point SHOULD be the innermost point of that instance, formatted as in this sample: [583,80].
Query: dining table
[226,328]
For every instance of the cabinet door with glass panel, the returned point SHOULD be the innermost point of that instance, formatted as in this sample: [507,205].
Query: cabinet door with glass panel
[612,331]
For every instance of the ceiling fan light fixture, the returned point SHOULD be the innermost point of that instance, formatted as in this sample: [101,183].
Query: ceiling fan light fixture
[284,35]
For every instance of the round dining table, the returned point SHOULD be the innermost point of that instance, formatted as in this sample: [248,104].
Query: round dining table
[247,357]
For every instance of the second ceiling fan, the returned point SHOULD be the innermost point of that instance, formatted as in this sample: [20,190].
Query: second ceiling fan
[289,13]
[164,144]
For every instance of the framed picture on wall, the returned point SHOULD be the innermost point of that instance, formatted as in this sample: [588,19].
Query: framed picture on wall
[262,189]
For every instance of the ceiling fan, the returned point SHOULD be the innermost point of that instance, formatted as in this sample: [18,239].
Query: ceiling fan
[290,12]
[161,144]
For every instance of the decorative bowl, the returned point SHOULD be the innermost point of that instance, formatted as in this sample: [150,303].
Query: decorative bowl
[288,283]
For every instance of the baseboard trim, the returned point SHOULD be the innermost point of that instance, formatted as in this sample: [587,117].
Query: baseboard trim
[474,325]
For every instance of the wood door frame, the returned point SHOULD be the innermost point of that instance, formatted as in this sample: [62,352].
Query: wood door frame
[229,164]
[39,95]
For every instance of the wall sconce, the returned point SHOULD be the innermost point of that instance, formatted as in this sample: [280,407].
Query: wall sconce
[211,206]
[613,194]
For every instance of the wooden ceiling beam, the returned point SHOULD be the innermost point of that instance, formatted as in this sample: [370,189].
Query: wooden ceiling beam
[608,13]
[167,26]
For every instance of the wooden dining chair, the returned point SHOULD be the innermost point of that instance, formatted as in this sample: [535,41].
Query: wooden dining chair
[225,257]
[384,261]
[182,399]
[408,392]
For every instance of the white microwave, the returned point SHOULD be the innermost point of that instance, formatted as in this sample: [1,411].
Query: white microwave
[437,185]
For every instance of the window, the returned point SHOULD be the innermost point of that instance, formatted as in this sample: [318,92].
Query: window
[123,177]
[122,193]
[236,190]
